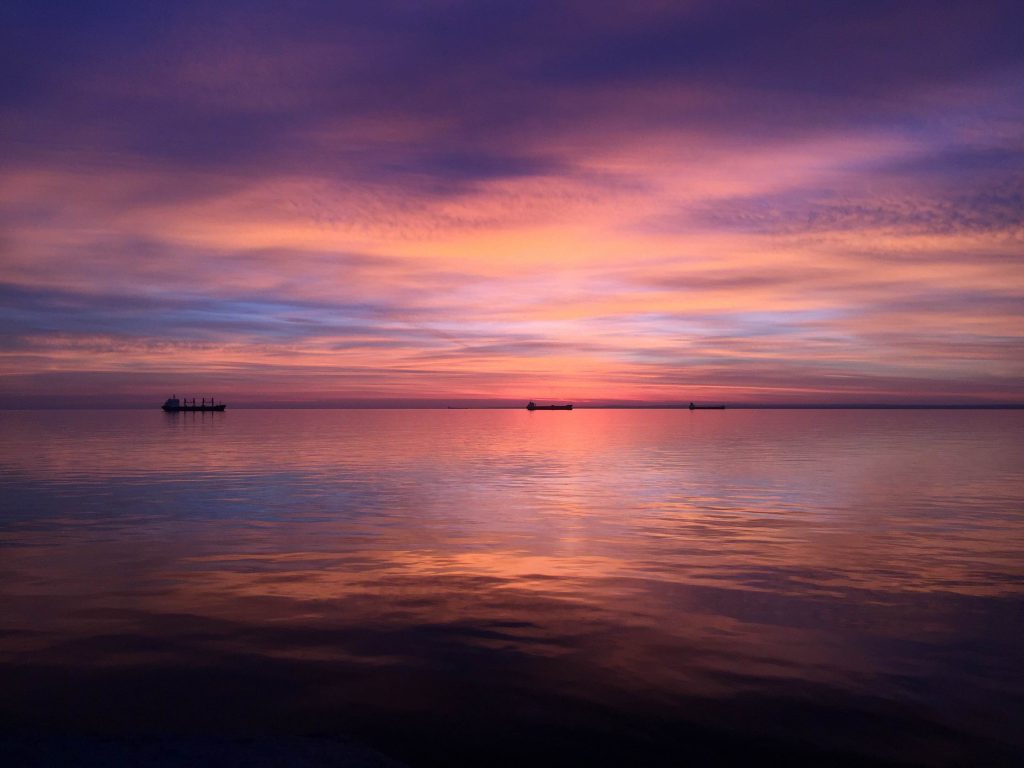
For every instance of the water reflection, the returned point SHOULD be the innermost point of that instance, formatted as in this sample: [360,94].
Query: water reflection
[605,585]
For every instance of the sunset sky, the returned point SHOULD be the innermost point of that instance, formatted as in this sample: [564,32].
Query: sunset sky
[743,202]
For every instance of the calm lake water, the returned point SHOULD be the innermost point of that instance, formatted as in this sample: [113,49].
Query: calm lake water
[487,587]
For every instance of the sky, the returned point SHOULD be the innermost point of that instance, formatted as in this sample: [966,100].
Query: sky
[785,202]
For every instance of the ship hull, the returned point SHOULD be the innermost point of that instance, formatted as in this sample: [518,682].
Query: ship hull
[193,408]
[549,408]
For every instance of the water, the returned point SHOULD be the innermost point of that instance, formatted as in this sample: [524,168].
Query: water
[485,587]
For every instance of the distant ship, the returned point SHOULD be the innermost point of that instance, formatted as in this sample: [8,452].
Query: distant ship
[532,406]
[174,405]
[706,407]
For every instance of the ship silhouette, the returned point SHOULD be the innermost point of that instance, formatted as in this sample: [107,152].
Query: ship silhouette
[174,405]
[532,406]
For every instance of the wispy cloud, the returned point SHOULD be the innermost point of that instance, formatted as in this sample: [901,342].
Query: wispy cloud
[790,202]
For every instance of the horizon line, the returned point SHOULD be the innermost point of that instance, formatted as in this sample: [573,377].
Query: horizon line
[398,405]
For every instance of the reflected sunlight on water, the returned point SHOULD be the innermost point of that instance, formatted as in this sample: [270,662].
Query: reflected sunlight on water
[601,584]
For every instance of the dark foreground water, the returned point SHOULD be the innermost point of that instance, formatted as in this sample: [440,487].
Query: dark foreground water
[489,587]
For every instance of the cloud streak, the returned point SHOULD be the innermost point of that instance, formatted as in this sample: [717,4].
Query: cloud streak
[503,200]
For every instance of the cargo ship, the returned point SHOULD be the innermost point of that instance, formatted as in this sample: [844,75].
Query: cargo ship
[174,405]
[706,407]
[532,406]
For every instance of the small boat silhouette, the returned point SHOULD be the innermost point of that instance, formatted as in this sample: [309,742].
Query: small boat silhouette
[174,405]
[532,406]
[706,407]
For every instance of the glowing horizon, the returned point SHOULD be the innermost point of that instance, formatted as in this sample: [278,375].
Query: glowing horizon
[511,201]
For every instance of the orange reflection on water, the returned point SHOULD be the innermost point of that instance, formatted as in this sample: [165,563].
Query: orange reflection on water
[618,558]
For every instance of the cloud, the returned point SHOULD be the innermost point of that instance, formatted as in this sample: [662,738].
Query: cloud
[473,199]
